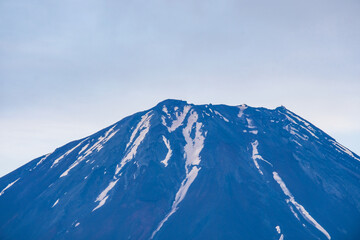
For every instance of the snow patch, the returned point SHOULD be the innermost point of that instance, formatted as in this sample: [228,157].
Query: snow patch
[192,150]
[169,153]
[8,186]
[165,110]
[43,159]
[311,133]
[221,116]
[180,116]
[67,153]
[292,210]
[242,108]
[103,195]
[56,202]
[308,128]
[140,131]
[299,119]
[97,146]
[279,232]
[250,123]
[296,142]
[84,148]
[344,149]
[101,141]
[256,156]
[293,131]
[298,206]
[136,139]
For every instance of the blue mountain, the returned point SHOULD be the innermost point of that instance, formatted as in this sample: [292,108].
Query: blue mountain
[184,171]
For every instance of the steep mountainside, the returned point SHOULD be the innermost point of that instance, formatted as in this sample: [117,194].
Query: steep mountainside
[183,171]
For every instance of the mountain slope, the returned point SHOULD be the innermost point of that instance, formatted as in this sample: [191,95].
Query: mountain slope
[182,171]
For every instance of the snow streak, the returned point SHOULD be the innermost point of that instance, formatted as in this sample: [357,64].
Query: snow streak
[279,232]
[251,126]
[221,116]
[307,127]
[169,153]
[242,108]
[8,186]
[103,195]
[42,160]
[180,116]
[298,206]
[64,155]
[56,202]
[256,156]
[96,147]
[192,150]
[295,132]
[140,132]
[343,149]
[136,139]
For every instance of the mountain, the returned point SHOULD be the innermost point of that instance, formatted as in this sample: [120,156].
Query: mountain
[184,171]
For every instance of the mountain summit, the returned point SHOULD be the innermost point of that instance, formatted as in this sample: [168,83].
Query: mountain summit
[184,171]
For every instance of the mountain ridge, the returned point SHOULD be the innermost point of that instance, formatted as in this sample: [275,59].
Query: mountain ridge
[153,168]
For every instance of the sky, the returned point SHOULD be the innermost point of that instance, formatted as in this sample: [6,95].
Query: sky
[70,68]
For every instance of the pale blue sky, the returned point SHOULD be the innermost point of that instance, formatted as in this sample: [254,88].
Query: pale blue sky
[70,68]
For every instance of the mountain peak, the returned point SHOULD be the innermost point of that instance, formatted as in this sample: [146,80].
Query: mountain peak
[172,102]
[182,171]
[281,108]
